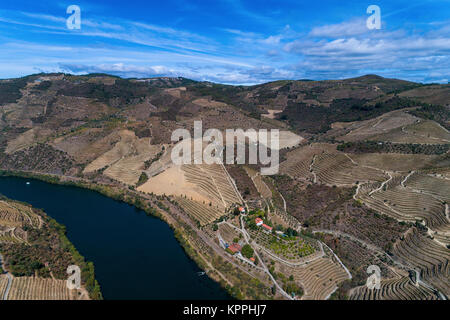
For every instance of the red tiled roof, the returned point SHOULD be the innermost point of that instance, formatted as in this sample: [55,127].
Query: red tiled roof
[258,220]
[235,248]
[267,227]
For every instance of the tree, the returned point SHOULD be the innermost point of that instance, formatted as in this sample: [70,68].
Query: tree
[252,225]
[291,232]
[142,179]
[247,251]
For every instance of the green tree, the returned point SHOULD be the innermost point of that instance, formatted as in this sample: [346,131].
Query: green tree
[247,251]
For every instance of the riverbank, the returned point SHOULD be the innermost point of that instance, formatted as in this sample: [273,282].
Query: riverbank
[151,205]
[36,251]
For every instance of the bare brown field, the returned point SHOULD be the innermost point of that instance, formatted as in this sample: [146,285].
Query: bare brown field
[172,182]
[202,183]
[86,145]
[366,129]
[430,94]
[288,139]
[272,113]
[27,139]
[203,102]
[175,92]
[393,162]
[423,132]
[228,233]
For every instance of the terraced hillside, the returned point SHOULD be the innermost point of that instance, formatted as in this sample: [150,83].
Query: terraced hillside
[36,254]
[338,169]
[405,204]
[431,184]
[423,132]
[203,213]
[394,289]
[365,130]
[214,182]
[262,188]
[3,284]
[427,257]
[13,235]
[14,214]
[125,161]
[322,163]
[299,161]
[293,251]
[31,288]
[392,176]
[319,278]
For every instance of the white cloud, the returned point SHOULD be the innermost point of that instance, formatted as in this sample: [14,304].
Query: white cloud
[343,29]
[137,49]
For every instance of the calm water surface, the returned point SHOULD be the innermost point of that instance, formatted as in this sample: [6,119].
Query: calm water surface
[135,256]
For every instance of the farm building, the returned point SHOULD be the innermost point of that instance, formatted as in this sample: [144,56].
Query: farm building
[259,222]
[266,227]
[234,248]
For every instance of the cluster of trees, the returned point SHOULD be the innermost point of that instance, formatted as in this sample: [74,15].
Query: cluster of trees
[40,157]
[317,119]
[22,263]
[148,163]
[10,90]
[49,245]
[389,147]
[121,93]
[247,251]
[142,179]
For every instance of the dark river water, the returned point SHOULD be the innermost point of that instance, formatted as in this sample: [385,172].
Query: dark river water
[135,256]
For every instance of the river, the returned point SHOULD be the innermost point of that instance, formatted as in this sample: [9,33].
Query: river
[135,256]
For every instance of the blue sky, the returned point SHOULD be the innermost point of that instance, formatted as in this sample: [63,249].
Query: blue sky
[228,41]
